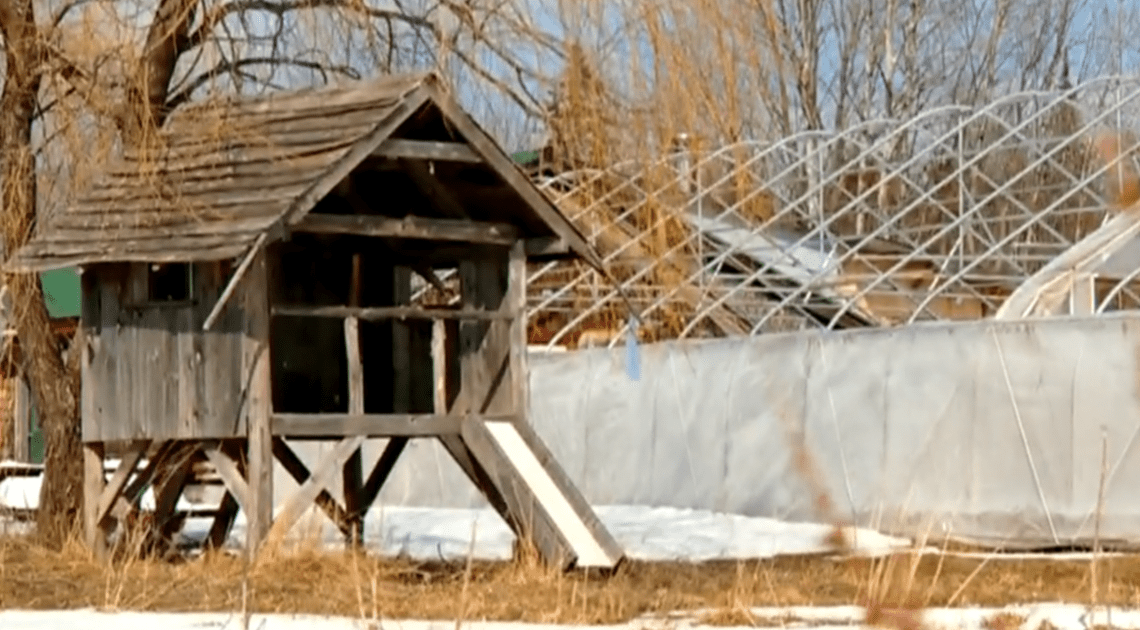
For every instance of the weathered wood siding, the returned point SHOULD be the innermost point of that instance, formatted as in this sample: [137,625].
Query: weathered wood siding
[149,370]
[484,346]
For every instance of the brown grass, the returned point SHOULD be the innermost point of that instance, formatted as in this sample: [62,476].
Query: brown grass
[1004,621]
[366,587]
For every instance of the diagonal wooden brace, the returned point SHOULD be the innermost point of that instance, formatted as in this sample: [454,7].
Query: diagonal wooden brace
[114,488]
[332,463]
[297,469]
[228,470]
[126,501]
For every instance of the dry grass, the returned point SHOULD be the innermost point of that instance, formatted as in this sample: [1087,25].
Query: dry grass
[366,587]
[1004,621]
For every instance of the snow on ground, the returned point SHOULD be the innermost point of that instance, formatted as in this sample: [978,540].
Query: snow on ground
[1061,616]
[23,492]
[19,492]
[646,533]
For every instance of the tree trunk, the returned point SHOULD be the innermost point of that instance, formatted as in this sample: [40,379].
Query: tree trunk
[166,40]
[54,390]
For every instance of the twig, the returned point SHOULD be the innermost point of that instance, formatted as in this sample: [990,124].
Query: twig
[466,578]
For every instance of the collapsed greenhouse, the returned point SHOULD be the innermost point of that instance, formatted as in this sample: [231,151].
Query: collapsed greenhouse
[976,284]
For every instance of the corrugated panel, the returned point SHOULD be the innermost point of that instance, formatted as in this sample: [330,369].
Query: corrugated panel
[220,174]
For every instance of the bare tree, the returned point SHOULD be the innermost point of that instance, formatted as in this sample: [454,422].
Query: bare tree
[766,69]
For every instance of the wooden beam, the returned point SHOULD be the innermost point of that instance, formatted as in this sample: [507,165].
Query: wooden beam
[232,478]
[318,481]
[353,467]
[223,521]
[433,189]
[401,342]
[439,366]
[460,230]
[429,276]
[530,519]
[359,151]
[300,473]
[459,451]
[259,406]
[254,250]
[114,487]
[382,470]
[513,176]
[94,481]
[516,298]
[569,491]
[402,386]
[125,501]
[312,425]
[166,493]
[391,312]
[395,148]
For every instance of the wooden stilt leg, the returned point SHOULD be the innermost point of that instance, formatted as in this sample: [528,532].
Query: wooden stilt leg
[353,468]
[93,485]
[260,459]
[167,491]
[259,456]
[353,473]
[223,522]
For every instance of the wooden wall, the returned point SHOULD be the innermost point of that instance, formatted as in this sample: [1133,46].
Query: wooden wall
[484,347]
[150,371]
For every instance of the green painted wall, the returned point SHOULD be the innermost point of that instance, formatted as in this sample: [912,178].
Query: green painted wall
[35,440]
[61,292]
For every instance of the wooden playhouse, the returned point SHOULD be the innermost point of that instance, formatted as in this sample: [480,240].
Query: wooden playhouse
[247,280]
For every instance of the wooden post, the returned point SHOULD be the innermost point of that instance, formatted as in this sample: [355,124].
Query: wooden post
[353,472]
[401,384]
[401,402]
[439,365]
[93,484]
[255,357]
[223,522]
[401,344]
[516,297]
[167,490]
[485,344]
[21,420]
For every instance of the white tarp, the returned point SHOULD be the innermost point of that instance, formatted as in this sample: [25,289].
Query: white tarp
[991,431]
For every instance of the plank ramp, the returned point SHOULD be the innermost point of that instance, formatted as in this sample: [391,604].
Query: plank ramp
[519,459]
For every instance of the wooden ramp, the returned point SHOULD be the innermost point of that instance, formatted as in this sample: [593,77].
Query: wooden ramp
[532,493]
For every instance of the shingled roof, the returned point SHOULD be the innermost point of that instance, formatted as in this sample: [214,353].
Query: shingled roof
[224,173]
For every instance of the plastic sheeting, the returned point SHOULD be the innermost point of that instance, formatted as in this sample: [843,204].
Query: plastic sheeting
[991,432]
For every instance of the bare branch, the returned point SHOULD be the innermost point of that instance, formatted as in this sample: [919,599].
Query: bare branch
[184,95]
[281,7]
